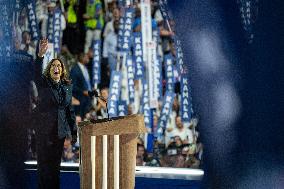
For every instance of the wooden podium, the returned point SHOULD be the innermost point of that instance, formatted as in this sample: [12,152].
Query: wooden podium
[92,138]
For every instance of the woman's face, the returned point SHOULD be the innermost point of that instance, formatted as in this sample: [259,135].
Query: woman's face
[55,70]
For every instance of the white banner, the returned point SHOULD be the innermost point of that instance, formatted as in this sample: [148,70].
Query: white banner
[146,22]
[149,51]
[151,74]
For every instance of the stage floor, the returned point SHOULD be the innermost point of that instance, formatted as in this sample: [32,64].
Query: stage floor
[150,177]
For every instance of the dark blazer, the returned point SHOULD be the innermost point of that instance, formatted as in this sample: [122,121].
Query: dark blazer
[49,115]
[80,85]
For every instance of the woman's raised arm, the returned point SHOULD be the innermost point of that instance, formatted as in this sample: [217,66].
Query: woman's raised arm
[43,46]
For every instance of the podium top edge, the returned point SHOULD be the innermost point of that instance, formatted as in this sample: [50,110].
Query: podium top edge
[84,123]
[115,126]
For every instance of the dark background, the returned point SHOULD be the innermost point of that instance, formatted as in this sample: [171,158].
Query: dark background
[247,152]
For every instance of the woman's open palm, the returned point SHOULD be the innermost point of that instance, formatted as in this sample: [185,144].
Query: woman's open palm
[43,46]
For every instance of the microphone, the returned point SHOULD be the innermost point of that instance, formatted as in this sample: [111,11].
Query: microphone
[96,94]
[93,93]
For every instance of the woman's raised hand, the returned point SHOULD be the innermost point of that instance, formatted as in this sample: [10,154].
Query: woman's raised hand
[43,46]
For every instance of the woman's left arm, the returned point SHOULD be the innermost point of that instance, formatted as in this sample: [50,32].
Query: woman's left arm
[70,114]
[71,119]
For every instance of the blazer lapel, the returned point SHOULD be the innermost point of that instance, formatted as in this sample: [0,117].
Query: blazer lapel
[68,93]
[55,95]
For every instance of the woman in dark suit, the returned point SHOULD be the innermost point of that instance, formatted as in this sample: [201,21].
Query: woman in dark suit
[54,117]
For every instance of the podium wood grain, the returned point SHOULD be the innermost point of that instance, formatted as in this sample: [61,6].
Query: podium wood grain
[128,128]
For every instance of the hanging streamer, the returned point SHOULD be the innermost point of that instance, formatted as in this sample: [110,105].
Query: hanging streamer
[97,62]
[32,20]
[158,78]
[17,6]
[186,107]
[122,108]
[156,37]
[54,31]
[138,55]
[115,86]
[179,55]
[49,28]
[57,29]
[163,6]
[169,69]
[145,108]
[130,78]
[125,32]
[6,46]
[166,109]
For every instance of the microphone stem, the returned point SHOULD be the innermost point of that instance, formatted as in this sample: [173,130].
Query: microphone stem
[107,112]
[102,98]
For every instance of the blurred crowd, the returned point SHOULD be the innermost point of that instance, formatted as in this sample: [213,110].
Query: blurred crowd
[181,148]
[81,23]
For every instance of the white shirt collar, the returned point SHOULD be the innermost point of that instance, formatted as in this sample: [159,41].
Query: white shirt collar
[84,71]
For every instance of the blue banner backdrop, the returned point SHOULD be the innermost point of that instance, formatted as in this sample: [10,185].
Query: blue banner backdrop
[169,69]
[145,108]
[57,29]
[96,69]
[125,32]
[113,98]
[186,105]
[138,55]
[122,108]
[179,57]
[166,109]
[130,78]
[5,47]
[33,25]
